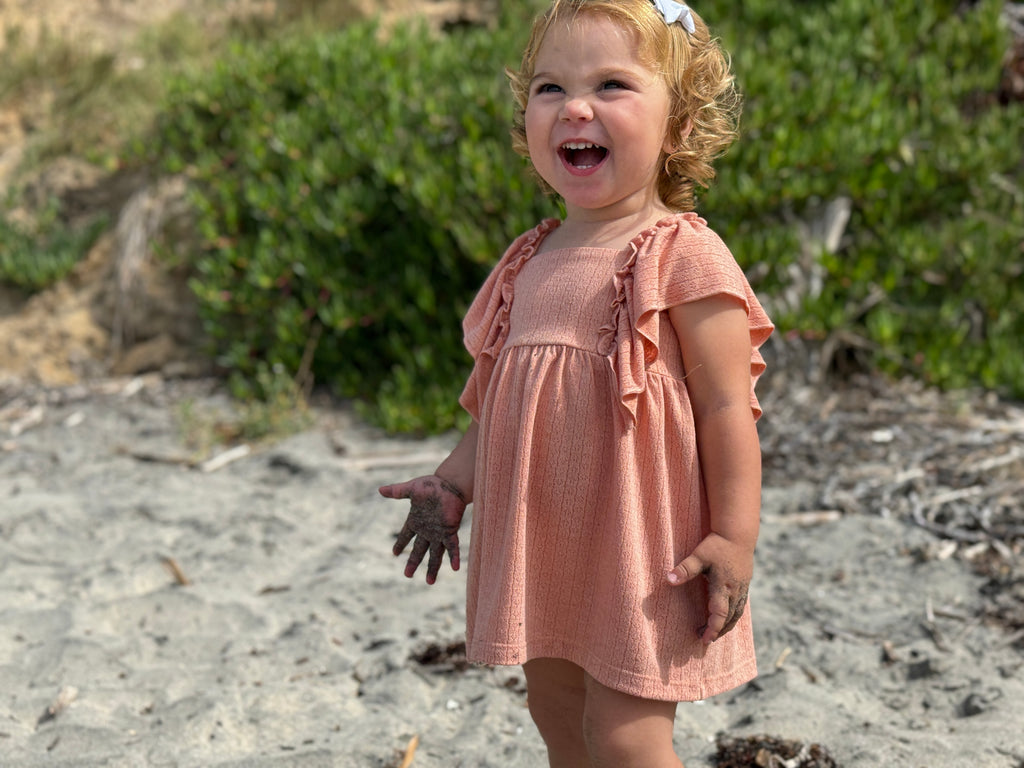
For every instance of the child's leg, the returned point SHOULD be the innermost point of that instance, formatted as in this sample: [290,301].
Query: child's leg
[556,693]
[623,731]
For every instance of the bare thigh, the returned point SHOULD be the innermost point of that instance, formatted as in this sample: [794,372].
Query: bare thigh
[556,693]
[623,731]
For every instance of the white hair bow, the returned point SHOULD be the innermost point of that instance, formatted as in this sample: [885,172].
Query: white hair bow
[673,11]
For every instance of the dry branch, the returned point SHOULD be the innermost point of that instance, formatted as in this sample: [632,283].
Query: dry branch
[951,465]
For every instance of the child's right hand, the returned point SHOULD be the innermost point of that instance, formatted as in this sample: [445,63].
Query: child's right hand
[436,510]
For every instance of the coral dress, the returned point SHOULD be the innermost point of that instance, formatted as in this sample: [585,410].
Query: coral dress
[588,487]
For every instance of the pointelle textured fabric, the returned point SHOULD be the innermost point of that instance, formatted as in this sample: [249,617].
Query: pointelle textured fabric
[587,485]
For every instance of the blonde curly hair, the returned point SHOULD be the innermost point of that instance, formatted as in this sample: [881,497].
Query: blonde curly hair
[702,91]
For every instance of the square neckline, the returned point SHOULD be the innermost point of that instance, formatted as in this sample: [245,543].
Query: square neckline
[633,243]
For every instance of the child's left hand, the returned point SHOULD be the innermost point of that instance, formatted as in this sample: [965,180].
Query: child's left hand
[728,568]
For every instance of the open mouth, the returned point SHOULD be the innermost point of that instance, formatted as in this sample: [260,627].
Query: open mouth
[582,155]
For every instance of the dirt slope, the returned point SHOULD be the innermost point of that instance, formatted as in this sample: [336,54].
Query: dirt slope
[120,313]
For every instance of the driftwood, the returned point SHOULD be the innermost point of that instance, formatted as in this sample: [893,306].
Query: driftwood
[951,464]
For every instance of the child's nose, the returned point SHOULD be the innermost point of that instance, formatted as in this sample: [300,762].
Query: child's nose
[577,108]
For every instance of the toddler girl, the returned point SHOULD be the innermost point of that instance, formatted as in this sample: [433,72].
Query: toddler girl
[613,457]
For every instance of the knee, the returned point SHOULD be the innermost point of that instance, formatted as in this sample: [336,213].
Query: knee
[609,743]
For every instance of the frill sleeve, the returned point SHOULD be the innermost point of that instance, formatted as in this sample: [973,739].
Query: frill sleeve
[678,261]
[485,326]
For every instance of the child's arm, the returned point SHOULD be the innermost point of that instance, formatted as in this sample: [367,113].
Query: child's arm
[437,504]
[715,341]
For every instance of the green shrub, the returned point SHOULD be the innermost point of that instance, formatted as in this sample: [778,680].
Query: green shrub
[37,254]
[890,105]
[353,191]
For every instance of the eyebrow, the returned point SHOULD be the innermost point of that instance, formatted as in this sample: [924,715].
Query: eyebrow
[607,73]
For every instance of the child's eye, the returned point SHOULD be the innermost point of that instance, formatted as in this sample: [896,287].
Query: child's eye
[612,85]
[548,88]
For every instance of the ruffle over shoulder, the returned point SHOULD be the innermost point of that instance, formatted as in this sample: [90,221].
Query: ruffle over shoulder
[485,326]
[679,260]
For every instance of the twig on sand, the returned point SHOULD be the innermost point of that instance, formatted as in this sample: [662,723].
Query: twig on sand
[224,458]
[783,656]
[179,575]
[218,461]
[152,457]
[410,752]
[805,519]
[24,421]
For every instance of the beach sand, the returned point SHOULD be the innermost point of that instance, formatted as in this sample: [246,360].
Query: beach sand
[155,614]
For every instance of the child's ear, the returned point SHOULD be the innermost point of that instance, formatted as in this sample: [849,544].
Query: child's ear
[675,139]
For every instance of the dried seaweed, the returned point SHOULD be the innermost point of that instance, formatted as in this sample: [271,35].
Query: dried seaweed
[770,752]
[450,657]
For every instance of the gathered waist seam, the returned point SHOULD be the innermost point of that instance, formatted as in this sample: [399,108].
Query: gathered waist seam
[555,344]
[593,352]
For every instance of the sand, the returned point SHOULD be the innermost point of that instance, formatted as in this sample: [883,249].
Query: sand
[155,614]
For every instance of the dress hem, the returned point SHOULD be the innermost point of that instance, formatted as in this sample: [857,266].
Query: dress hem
[624,681]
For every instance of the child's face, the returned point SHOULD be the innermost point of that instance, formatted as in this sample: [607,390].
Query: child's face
[596,118]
